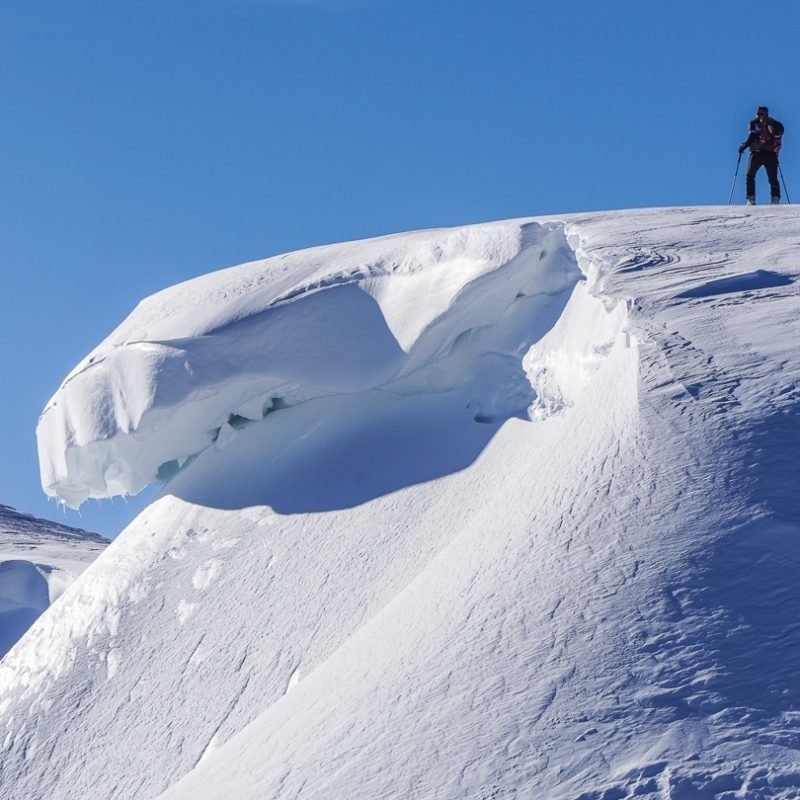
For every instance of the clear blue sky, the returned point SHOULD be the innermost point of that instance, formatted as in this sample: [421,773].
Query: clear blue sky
[145,142]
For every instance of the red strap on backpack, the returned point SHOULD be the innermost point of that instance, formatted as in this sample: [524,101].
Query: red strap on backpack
[777,141]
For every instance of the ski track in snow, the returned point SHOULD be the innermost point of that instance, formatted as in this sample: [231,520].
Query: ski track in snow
[597,600]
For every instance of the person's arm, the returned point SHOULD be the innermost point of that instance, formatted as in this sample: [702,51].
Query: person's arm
[752,136]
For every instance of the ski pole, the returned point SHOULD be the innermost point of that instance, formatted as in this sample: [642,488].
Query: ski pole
[785,190]
[735,176]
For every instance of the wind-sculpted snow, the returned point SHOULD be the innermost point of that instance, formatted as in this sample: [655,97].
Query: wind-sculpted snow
[551,551]
[405,314]
[39,559]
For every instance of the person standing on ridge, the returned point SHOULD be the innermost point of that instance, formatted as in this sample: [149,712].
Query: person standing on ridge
[764,141]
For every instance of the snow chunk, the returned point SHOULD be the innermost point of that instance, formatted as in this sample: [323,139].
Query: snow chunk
[185,610]
[206,575]
[113,661]
[560,366]
[196,363]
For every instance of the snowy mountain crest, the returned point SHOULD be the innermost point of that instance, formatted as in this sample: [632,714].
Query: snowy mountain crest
[508,510]
[39,559]
[437,311]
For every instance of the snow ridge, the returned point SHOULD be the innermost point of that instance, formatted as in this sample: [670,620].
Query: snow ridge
[195,363]
[530,531]
[39,559]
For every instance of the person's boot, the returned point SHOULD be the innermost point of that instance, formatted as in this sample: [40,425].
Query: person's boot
[776,200]
[751,200]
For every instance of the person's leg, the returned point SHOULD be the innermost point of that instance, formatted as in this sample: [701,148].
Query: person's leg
[753,164]
[771,165]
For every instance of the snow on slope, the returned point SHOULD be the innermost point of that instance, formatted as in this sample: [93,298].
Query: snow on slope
[217,352]
[445,520]
[39,559]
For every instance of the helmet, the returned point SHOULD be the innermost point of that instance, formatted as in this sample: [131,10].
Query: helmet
[762,111]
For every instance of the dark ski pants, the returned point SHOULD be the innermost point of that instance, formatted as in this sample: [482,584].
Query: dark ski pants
[770,162]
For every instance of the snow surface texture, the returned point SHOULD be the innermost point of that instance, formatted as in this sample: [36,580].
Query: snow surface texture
[505,511]
[39,559]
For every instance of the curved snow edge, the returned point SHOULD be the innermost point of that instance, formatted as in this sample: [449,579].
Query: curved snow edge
[410,314]
[560,366]
[567,339]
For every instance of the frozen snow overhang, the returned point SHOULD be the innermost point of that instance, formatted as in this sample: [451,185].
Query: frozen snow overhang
[406,313]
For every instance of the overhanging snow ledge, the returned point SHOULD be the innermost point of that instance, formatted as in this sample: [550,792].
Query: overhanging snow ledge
[424,312]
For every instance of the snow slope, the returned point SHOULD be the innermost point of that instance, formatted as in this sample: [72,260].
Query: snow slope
[39,559]
[499,511]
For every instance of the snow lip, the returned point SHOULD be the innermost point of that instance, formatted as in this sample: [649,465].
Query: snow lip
[743,282]
[194,364]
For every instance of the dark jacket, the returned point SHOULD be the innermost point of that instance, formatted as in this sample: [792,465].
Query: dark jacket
[764,137]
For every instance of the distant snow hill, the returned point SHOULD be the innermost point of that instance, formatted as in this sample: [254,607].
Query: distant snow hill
[502,511]
[39,559]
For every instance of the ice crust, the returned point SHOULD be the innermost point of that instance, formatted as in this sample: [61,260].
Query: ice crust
[413,313]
